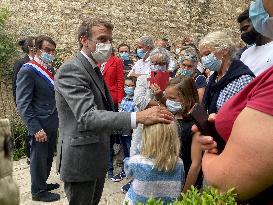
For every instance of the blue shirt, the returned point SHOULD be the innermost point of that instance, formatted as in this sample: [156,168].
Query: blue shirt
[127,105]
[148,181]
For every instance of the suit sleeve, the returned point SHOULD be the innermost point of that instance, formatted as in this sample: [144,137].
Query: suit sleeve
[16,69]
[73,84]
[24,96]
[120,80]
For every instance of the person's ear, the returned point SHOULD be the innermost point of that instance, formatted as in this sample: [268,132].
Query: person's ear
[84,41]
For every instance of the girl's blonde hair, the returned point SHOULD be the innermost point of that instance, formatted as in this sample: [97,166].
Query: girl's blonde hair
[161,143]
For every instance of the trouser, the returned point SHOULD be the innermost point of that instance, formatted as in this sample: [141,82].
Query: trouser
[126,144]
[84,193]
[41,157]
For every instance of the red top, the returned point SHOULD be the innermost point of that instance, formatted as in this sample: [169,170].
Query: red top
[113,77]
[258,95]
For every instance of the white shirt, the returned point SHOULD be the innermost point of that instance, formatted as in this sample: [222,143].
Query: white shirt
[141,67]
[258,58]
[133,114]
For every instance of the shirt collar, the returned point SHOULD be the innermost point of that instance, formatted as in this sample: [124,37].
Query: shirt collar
[93,64]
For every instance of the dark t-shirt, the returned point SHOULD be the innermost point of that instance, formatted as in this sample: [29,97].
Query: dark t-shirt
[184,126]
[200,81]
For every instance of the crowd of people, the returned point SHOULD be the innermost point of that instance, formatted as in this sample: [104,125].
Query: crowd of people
[140,99]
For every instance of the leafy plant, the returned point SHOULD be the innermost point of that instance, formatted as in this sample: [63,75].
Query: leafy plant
[209,196]
[61,56]
[7,46]
[19,135]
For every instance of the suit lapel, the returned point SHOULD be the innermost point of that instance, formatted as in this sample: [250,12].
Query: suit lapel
[92,73]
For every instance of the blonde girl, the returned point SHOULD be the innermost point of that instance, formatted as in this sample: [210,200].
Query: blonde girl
[157,170]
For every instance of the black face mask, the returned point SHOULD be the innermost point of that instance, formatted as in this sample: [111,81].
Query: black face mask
[250,37]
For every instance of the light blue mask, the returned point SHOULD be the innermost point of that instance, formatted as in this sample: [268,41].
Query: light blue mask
[185,72]
[129,91]
[260,19]
[124,56]
[173,106]
[140,53]
[158,68]
[47,58]
[211,62]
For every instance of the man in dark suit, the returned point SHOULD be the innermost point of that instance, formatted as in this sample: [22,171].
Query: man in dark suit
[36,104]
[87,117]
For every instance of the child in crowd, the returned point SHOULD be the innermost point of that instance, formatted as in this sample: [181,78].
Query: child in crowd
[127,105]
[157,170]
[181,95]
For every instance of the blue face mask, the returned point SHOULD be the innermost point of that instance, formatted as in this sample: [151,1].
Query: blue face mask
[129,91]
[158,68]
[260,19]
[211,62]
[185,72]
[124,56]
[47,58]
[173,106]
[140,53]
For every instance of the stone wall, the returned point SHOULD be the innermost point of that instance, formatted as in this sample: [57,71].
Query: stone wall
[172,19]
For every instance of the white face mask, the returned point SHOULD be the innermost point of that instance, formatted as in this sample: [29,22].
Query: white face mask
[102,53]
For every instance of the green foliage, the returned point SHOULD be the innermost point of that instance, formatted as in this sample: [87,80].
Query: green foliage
[61,56]
[7,46]
[19,135]
[209,196]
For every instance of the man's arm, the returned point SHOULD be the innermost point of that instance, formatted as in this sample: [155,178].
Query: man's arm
[246,162]
[24,95]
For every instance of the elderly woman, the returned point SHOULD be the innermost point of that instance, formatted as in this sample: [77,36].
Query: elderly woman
[246,124]
[144,96]
[218,53]
[188,67]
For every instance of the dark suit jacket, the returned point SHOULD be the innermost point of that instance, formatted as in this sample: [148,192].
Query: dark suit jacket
[113,77]
[35,101]
[17,66]
[82,100]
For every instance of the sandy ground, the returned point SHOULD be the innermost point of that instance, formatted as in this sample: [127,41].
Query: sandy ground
[111,193]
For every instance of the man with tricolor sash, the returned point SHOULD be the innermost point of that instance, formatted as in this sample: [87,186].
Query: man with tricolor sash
[36,104]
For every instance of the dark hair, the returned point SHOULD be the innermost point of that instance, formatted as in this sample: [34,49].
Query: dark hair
[133,79]
[243,16]
[25,43]
[40,39]
[187,91]
[85,28]
[123,44]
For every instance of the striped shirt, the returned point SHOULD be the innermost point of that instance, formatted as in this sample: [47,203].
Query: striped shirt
[148,181]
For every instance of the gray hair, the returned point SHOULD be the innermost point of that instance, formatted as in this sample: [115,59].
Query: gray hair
[219,40]
[147,41]
[162,53]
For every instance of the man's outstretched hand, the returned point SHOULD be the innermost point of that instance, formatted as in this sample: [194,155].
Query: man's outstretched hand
[153,115]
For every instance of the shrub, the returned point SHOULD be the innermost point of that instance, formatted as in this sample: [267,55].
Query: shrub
[61,56]
[7,46]
[209,196]
[19,135]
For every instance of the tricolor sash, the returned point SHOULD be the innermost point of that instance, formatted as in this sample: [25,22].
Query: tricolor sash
[41,71]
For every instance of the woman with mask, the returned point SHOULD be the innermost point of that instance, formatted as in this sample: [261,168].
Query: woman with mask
[188,67]
[144,96]
[181,95]
[245,122]
[218,53]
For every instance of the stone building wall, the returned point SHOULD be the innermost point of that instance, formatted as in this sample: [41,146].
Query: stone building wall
[172,19]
